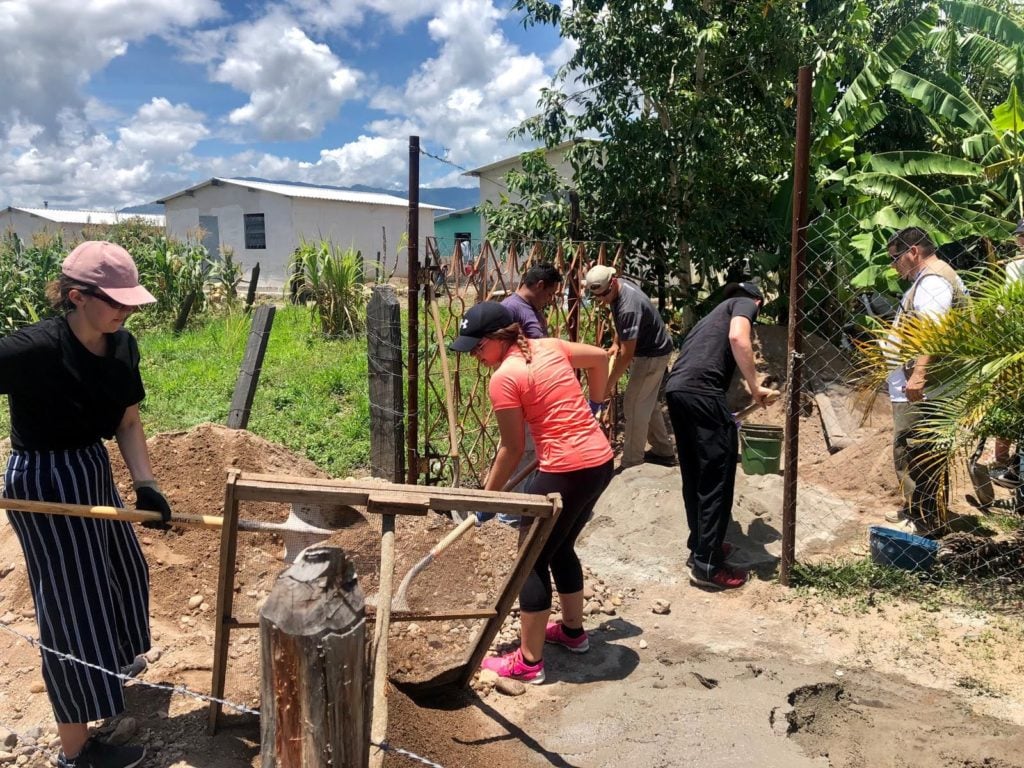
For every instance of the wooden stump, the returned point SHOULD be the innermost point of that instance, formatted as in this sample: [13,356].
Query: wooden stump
[314,710]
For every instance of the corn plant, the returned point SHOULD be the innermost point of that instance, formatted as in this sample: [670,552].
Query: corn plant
[24,273]
[330,281]
[223,278]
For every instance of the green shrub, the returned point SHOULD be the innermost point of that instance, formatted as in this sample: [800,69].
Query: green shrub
[330,282]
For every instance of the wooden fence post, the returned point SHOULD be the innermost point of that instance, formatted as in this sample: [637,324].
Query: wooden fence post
[250,295]
[314,681]
[252,364]
[384,346]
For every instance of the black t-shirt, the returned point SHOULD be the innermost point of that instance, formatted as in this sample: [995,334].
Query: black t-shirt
[705,362]
[61,395]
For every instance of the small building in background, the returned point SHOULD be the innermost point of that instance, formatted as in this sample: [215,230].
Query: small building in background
[26,223]
[264,222]
[492,176]
[453,228]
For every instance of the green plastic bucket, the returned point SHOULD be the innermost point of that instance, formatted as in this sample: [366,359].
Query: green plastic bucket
[760,449]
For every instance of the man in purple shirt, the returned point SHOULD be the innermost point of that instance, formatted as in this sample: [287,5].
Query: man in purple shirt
[541,284]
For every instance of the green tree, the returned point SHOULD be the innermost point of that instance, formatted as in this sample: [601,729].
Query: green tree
[691,103]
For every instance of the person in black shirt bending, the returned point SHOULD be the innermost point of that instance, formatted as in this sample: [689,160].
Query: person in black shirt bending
[73,381]
[706,435]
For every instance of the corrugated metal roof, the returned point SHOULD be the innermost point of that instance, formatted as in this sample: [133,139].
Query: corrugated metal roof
[90,217]
[309,192]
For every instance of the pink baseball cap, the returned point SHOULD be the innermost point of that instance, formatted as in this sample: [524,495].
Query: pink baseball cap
[110,268]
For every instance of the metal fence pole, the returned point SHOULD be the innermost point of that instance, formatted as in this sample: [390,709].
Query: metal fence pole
[412,420]
[795,340]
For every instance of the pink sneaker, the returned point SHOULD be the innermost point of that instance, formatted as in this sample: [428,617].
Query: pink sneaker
[555,634]
[513,665]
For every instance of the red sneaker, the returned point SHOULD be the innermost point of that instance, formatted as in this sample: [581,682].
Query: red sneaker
[554,633]
[726,550]
[722,578]
[514,665]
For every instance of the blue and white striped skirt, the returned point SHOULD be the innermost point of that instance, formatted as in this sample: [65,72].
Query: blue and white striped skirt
[88,577]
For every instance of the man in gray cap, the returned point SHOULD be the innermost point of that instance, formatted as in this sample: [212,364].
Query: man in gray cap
[642,345]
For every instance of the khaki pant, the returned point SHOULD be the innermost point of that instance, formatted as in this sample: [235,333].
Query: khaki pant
[644,419]
[918,471]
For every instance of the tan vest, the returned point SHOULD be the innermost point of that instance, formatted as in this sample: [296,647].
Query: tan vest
[947,273]
[943,270]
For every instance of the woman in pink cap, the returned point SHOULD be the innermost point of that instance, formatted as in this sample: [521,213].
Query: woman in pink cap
[73,381]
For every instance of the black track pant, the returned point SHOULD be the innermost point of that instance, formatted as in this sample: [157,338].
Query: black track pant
[707,442]
[580,491]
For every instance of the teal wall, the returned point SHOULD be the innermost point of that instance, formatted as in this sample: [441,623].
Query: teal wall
[446,226]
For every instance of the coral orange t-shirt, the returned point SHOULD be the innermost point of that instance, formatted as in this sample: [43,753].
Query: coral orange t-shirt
[565,432]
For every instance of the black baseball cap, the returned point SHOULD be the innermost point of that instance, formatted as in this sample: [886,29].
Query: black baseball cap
[747,287]
[480,320]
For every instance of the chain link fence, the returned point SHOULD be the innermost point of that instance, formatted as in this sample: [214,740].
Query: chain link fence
[927,483]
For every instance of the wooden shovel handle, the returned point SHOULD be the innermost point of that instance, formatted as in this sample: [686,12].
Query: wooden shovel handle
[107,513]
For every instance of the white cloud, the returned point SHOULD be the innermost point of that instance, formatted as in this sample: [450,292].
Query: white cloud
[58,143]
[467,97]
[343,14]
[295,85]
[367,160]
[49,50]
[162,132]
[86,169]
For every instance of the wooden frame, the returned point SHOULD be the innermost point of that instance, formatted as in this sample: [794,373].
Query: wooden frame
[387,500]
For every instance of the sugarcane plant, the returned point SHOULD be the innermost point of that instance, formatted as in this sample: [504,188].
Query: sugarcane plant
[976,360]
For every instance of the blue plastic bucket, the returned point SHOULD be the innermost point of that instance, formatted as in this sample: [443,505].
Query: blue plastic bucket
[898,549]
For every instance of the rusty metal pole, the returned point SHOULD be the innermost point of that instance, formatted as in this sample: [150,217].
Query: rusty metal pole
[412,250]
[795,341]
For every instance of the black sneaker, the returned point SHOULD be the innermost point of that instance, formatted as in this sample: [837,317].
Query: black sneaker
[96,754]
[650,457]
[136,668]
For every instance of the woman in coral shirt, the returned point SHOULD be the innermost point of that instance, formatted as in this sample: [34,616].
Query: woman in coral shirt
[535,383]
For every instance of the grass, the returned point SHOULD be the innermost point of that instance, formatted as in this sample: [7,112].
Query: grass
[860,580]
[312,395]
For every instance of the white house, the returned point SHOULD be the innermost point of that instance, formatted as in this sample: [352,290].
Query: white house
[492,177]
[265,221]
[27,222]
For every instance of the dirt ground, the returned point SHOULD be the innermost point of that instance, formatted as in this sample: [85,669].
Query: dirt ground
[763,676]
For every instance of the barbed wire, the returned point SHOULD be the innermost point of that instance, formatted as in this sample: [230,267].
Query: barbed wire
[406,753]
[179,689]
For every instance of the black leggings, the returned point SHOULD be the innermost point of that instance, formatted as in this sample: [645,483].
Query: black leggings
[580,491]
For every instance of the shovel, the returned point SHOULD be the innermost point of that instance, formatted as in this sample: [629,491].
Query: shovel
[984,493]
[400,602]
[770,398]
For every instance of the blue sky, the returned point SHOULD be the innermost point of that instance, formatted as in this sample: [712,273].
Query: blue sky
[120,102]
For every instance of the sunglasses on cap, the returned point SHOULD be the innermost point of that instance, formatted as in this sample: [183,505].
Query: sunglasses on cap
[96,293]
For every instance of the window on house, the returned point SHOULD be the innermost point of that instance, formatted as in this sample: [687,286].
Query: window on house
[255,231]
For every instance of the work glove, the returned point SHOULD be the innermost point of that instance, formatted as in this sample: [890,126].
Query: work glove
[483,517]
[150,498]
[596,408]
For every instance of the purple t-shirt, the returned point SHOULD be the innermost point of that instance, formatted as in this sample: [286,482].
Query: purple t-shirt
[531,321]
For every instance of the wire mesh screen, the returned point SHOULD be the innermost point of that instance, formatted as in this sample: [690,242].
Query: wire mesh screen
[909,450]
[458,434]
